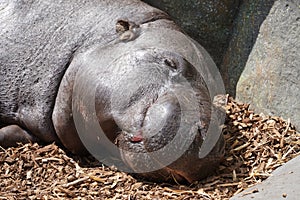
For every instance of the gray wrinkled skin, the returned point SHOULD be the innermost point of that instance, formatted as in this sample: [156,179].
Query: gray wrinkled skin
[38,40]
[42,46]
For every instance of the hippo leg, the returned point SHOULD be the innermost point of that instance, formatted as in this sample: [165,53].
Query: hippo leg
[12,135]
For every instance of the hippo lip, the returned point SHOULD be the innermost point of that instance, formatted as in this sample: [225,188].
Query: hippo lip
[138,137]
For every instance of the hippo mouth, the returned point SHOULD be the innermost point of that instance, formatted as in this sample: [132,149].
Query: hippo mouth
[135,149]
[158,125]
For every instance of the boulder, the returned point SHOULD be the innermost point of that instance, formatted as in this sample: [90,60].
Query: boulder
[270,81]
[283,184]
[246,26]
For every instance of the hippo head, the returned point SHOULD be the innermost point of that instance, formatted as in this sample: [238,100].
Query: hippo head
[153,107]
[163,117]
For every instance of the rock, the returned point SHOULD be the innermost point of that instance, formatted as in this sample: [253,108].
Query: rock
[271,79]
[208,22]
[246,27]
[283,184]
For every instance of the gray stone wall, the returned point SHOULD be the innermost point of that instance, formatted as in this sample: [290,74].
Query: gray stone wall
[270,81]
[244,33]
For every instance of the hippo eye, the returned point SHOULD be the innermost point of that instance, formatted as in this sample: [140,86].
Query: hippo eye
[170,63]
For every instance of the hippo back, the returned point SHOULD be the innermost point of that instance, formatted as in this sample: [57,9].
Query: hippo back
[38,40]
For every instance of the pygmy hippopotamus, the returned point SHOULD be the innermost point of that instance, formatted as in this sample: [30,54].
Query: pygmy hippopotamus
[117,79]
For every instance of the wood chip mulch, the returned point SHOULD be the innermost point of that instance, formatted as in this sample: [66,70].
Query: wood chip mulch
[255,146]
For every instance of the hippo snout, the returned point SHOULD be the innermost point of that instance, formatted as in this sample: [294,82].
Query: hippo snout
[166,146]
[161,122]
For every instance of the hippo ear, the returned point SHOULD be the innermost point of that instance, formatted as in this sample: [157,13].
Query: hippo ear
[122,26]
[127,30]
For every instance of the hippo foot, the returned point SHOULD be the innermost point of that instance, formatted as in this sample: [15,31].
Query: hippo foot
[13,134]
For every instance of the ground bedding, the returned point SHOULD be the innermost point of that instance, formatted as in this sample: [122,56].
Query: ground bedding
[255,146]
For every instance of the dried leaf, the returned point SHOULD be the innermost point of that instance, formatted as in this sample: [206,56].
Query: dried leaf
[255,146]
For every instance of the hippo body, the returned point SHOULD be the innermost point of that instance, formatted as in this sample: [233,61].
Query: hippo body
[38,41]
[43,44]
